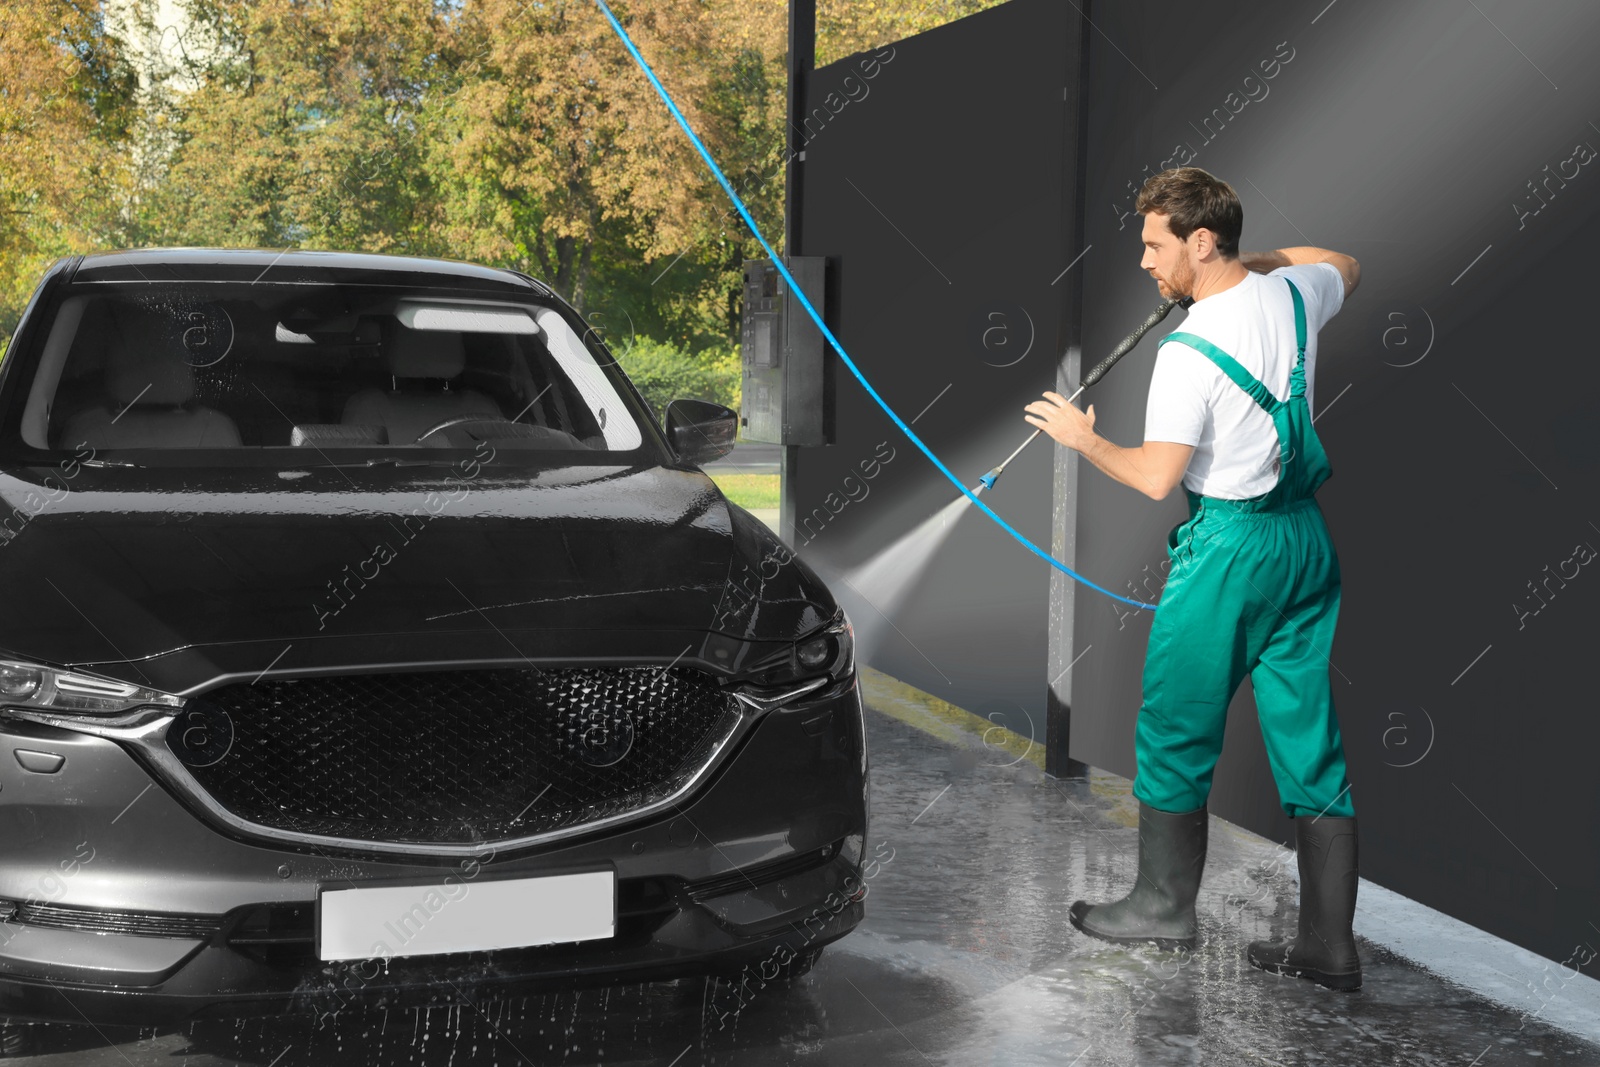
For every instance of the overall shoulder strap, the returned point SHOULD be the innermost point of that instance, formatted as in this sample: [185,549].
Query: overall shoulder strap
[1297,376]
[1229,366]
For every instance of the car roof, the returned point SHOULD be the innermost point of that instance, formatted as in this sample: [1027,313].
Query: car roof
[302,266]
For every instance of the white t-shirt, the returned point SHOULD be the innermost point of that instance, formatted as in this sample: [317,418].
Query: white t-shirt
[1193,402]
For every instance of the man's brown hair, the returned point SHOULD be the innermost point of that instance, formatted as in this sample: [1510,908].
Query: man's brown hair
[1193,199]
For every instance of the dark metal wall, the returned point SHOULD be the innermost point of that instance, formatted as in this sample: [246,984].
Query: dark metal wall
[934,177]
[1453,150]
[1456,397]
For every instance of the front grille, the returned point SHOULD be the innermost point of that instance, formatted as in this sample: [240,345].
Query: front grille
[452,757]
[96,920]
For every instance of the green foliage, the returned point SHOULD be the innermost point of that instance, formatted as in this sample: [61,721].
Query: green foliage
[67,104]
[516,133]
[664,373]
[751,491]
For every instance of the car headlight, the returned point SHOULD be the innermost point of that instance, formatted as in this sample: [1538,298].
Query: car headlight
[825,654]
[822,658]
[831,650]
[29,685]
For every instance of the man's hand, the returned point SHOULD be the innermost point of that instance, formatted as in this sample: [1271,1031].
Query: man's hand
[1154,468]
[1062,421]
[1267,262]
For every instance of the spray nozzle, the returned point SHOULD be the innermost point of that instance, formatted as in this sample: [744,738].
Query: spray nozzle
[1089,379]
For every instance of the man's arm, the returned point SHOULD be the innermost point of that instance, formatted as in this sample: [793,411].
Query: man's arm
[1266,262]
[1154,468]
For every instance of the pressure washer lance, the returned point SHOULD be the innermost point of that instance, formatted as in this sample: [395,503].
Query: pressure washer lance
[1123,348]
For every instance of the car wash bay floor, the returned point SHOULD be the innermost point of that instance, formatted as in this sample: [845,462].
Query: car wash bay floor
[966,957]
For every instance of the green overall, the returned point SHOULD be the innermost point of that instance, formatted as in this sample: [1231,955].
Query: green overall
[1253,589]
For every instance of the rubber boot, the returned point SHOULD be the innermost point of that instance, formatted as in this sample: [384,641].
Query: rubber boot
[1325,950]
[1160,907]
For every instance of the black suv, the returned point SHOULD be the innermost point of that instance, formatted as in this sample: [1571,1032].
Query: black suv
[365,640]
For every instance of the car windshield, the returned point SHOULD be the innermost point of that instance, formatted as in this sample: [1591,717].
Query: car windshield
[235,373]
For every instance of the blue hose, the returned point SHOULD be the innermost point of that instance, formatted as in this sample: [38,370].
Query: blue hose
[848,362]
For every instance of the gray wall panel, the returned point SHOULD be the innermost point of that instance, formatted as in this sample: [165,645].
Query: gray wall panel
[1404,135]
[939,193]
[1456,391]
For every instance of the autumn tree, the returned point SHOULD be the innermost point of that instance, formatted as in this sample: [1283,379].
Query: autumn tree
[555,144]
[66,97]
[303,127]
[513,132]
[845,27]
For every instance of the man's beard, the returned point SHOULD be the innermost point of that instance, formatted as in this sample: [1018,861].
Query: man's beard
[1181,283]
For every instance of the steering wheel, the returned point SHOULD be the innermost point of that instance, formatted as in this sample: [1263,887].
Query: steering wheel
[460,420]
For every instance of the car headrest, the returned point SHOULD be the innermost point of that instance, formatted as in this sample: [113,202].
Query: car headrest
[151,373]
[424,353]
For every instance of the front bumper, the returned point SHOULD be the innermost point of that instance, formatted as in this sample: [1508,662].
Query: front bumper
[130,908]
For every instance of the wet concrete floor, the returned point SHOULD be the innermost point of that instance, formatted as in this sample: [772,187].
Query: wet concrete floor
[966,957]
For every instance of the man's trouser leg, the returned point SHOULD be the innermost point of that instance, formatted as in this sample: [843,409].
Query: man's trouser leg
[1192,668]
[1294,696]
[1295,701]
[1256,594]
[1197,656]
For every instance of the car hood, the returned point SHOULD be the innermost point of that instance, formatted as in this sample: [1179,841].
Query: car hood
[165,578]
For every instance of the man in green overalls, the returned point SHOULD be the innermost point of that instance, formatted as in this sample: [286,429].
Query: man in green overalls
[1254,581]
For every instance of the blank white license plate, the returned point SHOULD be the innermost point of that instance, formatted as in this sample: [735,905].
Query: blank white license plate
[465,916]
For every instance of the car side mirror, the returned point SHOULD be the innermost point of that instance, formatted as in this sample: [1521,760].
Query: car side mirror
[700,432]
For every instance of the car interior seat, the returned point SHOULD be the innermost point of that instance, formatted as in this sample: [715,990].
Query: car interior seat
[426,360]
[152,386]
